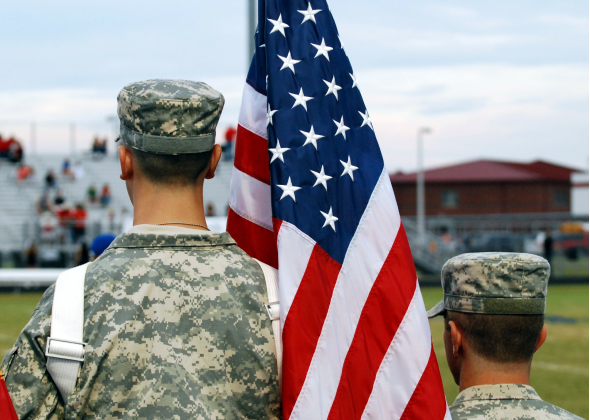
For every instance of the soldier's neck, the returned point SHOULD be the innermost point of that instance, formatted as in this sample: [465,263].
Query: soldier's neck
[161,204]
[478,371]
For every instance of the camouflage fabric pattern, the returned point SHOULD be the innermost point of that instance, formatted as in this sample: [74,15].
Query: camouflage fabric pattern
[169,116]
[505,402]
[176,328]
[494,283]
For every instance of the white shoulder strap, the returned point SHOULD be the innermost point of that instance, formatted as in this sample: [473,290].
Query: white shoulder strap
[65,349]
[271,276]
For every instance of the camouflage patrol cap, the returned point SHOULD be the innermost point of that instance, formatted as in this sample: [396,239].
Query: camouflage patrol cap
[494,283]
[169,116]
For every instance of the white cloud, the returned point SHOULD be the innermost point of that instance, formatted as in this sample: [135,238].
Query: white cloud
[494,111]
[578,23]
[391,39]
[457,12]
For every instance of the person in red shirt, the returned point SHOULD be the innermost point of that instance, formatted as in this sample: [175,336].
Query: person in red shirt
[79,218]
[230,136]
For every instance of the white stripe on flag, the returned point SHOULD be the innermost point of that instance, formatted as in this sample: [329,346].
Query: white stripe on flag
[291,242]
[253,111]
[402,366]
[250,198]
[366,254]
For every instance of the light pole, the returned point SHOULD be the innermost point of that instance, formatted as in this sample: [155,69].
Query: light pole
[420,216]
[72,139]
[251,28]
[33,140]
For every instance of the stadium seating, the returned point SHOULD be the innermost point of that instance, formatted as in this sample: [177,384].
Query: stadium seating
[17,201]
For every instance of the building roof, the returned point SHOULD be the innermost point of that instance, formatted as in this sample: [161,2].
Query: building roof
[491,171]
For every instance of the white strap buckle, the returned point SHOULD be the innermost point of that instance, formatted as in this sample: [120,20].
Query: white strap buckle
[272,309]
[63,353]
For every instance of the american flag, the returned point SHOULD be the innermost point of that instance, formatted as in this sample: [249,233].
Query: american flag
[310,195]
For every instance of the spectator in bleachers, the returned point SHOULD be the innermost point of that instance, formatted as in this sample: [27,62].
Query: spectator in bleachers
[66,169]
[105,195]
[43,203]
[4,146]
[64,216]
[111,220]
[227,148]
[82,254]
[31,255]
[78,170]
[210,210]
[91,194]
[79,219]
[99,147]
[25,173]
[48,223]
[50,180]
[59,199]
[11,149]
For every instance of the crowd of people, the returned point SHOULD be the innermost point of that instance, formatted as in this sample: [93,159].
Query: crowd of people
[11,149]
[99,147]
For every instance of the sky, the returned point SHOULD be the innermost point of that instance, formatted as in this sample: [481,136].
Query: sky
[493,80]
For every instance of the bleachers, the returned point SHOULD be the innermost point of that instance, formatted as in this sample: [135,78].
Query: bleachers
[17,201]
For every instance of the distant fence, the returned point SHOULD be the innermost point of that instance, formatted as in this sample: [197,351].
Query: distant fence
[26,278]
[522,223]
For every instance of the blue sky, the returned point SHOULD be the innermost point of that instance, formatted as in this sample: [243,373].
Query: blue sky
[495,79]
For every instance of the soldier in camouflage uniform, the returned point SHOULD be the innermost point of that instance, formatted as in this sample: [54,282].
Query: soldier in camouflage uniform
[174,315]
[494,305]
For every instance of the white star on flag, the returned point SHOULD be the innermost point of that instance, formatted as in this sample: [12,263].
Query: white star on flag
[288,190]
[353,80]
[277,152]
[301,99]
[332,87]
[311,137]
[342,129]
[330,219]
[288,62]
[309,14]
[322,49]
[269,115]
[278,25]
[321,178]
[349,168]
[366,119]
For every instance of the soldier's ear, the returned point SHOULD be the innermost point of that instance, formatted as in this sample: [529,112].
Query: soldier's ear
[456,338]
[126,161]
[542,337]
[215,156]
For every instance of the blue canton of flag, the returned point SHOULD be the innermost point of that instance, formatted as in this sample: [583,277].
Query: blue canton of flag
[325,159]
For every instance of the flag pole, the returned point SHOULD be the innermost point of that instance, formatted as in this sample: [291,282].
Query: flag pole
[420,195]
[251,28]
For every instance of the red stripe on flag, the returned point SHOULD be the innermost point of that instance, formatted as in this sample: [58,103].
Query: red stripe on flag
[428,400]
[256,241]
[304,323]
[6,408]
[251,155]
[382,315]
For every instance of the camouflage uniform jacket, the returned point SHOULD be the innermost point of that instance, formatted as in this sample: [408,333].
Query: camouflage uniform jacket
[176,329]
[505,402]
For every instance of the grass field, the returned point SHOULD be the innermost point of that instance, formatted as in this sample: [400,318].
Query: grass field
[560,367]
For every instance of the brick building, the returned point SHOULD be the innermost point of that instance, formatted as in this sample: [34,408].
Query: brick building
[487,187]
